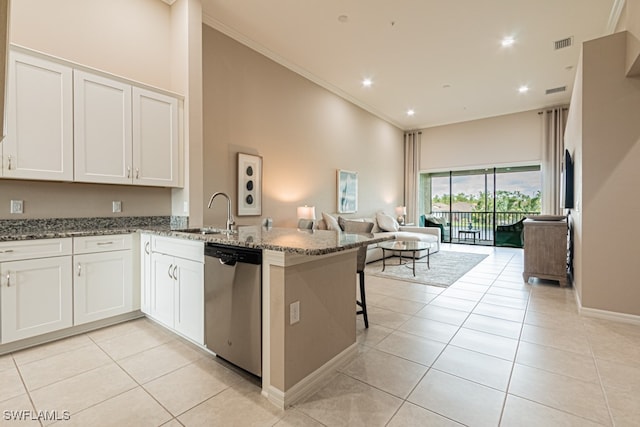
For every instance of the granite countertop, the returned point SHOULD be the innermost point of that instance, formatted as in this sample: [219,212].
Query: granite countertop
[291,240]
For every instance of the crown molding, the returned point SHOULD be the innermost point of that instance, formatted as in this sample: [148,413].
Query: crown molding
[614,16]
[252,44]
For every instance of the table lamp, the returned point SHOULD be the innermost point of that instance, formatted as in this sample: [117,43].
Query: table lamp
[306,216]
[401,211]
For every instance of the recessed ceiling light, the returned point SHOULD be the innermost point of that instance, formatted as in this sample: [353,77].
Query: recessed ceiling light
[507,41]
[410,112]
[523,89]
[367,82]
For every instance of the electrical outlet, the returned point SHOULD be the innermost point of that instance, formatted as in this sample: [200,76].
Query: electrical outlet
[294,312]
[117,206]
[17,206]
[185,207]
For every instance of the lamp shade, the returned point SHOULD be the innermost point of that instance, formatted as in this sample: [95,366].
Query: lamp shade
[306,212]
[401,210]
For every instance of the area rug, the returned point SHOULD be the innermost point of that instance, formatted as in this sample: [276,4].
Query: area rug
[446,268]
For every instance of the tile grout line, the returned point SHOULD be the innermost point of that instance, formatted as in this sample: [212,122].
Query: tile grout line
[513,364]
[26,390]
[600,382]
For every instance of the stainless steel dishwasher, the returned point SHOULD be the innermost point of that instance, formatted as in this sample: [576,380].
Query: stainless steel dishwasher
[233,305]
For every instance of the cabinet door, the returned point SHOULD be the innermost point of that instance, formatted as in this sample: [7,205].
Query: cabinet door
[145,273]
[155,139]
[190,300]
[39,141]
[162,289]
[35,297]
[102,286]
[102,129]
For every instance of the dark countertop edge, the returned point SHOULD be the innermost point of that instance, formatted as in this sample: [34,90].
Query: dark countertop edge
[208,238]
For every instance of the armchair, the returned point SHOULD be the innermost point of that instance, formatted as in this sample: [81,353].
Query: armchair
[432,221]
[511,235]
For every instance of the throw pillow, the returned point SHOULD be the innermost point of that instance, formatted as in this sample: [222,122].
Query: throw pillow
[332,223]
[375,229]
[387,222]
[341,221]
[357,226]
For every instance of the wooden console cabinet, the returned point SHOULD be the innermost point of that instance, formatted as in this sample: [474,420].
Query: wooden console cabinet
[545,250]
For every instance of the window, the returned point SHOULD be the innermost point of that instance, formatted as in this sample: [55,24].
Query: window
[480,199]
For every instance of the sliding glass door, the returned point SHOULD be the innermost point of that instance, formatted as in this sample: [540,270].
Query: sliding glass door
[472,203]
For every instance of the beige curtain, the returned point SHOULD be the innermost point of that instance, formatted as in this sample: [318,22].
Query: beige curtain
[411,174]
[553,125]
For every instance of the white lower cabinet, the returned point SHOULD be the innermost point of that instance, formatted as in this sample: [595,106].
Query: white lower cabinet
[103,277]
[162,289]
[36,294]
[145,273]
[177,286]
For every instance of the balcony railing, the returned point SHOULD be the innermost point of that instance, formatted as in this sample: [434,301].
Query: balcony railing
[484,222]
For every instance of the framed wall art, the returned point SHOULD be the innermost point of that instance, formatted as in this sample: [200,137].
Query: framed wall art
[347,191]
[249,185]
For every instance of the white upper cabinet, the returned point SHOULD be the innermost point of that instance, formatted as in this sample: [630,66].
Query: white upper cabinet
[39,141]
[102,128]
[155,139]
[66,122]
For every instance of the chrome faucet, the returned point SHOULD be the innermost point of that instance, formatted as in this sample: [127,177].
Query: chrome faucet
[230,220]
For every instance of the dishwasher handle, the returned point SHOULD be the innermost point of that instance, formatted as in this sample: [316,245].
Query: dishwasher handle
[230,261]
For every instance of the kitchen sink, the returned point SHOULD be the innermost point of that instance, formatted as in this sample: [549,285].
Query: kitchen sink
[206,230]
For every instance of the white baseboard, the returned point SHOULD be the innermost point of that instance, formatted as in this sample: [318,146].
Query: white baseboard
[67,332]
[311,383]
[605,314]
[609,315]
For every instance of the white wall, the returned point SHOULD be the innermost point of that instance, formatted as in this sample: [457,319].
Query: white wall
[130,38]
[509,140]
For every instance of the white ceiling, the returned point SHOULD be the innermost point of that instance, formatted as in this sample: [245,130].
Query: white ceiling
[412,49]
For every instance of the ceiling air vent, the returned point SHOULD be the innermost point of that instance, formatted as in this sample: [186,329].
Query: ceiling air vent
[555,90]
[561,44]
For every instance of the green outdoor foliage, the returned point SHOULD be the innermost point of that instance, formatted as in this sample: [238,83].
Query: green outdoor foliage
[506,201]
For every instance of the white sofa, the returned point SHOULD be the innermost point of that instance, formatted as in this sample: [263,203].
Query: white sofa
[399,232]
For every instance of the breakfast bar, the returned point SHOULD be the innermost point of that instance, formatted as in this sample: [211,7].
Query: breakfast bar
[308,303]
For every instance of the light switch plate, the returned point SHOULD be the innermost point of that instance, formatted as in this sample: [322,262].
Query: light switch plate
[117,206]
[17,206]
[294,312]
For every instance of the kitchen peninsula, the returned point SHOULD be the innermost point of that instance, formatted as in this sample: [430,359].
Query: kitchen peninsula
[314,268]
[317,269]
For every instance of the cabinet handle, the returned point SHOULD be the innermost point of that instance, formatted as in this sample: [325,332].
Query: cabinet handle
[137,173]
[146,248]
[128,171]
[104,243]
[170,267]
[175,272]
[9,165]
[79,269]
[8,279]
[8,251]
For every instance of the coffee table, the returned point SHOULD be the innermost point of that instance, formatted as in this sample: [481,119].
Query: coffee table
[402,246]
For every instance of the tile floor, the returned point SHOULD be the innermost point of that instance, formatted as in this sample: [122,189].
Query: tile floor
[487,351]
